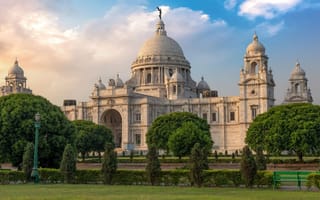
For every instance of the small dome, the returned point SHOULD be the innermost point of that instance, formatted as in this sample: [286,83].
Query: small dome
[176,77]
[298,72]
[255,47]
[203,85]
[100,85]
[16,70]
[161,44]
[119,82]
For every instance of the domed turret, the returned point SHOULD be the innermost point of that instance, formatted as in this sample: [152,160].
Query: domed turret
[100,85]
[297,72]
[255,47]
[119,82]
[203,85]
[16,70]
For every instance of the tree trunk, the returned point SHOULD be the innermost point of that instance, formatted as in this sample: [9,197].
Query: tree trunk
[300,157]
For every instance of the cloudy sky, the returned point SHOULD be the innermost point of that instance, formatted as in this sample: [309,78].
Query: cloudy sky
[64,46]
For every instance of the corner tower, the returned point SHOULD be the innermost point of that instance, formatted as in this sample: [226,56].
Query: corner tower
[16,82]
[256,83]
[298,91]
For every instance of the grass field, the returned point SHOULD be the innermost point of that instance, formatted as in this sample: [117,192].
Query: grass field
[97,192]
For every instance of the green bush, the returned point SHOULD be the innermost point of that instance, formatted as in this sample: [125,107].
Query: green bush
[263,178]
[130,177]
[88,176]
[48,175]
[7,177]
[313,181]
[175,177]
[222,178]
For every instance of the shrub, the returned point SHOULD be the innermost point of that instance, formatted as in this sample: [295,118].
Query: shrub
[313,180]
[198,163]
[109,164]
[68,164]
[27,160]
[248,167]
[48,175]
[153,169]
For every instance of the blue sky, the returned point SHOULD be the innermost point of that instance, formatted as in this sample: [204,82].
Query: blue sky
[64,46]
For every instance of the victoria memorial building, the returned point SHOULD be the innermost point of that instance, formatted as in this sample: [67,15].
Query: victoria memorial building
[161,83]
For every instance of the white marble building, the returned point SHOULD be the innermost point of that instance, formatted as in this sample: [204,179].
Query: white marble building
[161,83]
[16,82]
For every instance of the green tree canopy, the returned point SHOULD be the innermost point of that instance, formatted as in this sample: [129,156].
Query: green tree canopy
[165,125]
[291,127]
[91,137]
[17,113]
[184,138]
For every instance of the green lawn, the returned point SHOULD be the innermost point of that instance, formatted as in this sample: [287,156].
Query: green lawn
[96,192]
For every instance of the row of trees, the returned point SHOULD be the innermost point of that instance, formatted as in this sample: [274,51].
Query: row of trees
[17,131]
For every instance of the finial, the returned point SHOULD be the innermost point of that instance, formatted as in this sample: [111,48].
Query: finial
[16,61]
[297,63]
[118,75]
[255,37]
[202,78]
[100,79]
[160,12]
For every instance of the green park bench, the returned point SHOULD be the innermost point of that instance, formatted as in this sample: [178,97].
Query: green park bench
[290,176]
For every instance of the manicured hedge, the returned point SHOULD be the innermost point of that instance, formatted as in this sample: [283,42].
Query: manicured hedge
[7,177]
[220,178]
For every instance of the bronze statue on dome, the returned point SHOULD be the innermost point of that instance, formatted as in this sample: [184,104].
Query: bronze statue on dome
[160,11]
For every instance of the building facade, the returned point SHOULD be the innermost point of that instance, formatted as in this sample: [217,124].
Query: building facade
[161,83]
[16,82]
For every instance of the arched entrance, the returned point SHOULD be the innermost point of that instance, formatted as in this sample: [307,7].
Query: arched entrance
[112,120]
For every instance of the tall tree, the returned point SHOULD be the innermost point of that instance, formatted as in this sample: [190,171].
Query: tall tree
[164,126]
[109,163]
[290,127]
[153,169]
[17,113]
[68,164]
[27,162]
[248,166]
[91,137]
[184,138]
[198,163]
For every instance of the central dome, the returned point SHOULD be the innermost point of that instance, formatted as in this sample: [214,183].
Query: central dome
[161,44]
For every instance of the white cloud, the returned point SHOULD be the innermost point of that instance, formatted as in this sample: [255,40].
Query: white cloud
[270,29]
[267,9]
[63,63]
[230,4]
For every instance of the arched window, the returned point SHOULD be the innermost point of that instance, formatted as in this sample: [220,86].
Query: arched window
[297,88]
[253,68]
[149,78]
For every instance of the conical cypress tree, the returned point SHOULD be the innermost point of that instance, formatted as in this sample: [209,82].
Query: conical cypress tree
[27,160]
[248,167]
[68,164]
[153,169]
[109,164]
[198,163]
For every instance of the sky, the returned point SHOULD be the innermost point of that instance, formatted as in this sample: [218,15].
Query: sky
[65,46]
